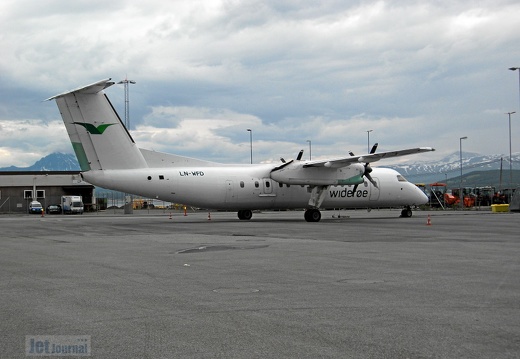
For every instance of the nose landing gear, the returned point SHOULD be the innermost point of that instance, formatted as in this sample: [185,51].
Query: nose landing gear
[406,212]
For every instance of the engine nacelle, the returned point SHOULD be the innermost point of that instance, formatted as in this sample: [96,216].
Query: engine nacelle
[296,174]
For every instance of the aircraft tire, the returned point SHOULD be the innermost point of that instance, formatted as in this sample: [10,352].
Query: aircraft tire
[407,212]
[245,214]
[312,215]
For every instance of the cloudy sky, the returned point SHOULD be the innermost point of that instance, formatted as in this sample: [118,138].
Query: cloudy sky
[417,73]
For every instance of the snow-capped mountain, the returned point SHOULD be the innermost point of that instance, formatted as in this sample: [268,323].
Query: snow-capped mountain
[449,166]
[54,162]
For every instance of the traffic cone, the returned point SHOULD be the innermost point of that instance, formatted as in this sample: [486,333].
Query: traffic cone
[43,213]
[185,214]
[429,222]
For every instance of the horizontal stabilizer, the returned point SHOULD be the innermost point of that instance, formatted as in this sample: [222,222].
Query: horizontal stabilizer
[89,89]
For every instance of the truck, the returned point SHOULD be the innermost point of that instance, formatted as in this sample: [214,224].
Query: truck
[72,204]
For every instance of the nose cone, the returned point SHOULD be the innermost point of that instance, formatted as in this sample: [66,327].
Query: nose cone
[419,197]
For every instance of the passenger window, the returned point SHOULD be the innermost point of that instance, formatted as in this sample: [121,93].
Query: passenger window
[161,177]
[267,184]
[241,184]
[257,184]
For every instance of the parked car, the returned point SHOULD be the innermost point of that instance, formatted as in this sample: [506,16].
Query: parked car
[35,207]
[53,209]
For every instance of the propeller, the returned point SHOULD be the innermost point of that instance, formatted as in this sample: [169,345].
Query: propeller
[284,163]
[368,169]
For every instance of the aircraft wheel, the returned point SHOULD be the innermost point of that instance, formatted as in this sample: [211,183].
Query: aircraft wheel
[312,215]
[407,212]
[245,214]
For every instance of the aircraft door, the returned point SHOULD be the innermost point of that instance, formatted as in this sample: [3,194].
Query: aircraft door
[268,185]
[374,192]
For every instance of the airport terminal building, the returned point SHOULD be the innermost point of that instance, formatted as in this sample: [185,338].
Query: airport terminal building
[19,188]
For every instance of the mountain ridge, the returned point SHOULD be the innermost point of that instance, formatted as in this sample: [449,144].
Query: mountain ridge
[56,161]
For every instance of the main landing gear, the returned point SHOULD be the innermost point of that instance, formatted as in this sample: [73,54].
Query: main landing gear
[312,215]
[406,212]
[245,214]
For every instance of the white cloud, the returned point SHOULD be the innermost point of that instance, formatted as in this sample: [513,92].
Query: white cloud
[417,73]
[23,142]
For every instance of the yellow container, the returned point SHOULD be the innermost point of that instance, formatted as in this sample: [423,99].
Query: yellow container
[499,208]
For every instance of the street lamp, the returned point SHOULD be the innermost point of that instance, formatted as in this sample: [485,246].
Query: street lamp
[514,69]
[125,82]
[510,160]
[461,193]
[310,150]
[251,143]
[368,141]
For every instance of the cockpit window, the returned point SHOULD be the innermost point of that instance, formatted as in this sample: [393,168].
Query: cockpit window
[401,178]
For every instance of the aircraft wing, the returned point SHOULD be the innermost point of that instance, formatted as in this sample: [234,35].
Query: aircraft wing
[367,158]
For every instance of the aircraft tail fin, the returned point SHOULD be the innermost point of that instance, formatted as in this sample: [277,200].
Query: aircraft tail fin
[98,136]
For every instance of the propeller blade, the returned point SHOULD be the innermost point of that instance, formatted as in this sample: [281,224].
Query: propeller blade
[282,166]
[281,159]
[351,153]
[369,177]
[299,157]
[374,148]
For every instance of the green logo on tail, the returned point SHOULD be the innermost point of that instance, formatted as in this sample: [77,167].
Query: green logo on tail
[93,129]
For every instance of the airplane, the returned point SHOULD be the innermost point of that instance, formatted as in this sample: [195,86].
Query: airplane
[109,158]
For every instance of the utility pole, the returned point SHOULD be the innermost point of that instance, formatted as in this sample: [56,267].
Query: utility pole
[129,200]
[125,82]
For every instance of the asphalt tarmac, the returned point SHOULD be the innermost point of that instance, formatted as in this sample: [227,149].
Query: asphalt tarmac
[364,285]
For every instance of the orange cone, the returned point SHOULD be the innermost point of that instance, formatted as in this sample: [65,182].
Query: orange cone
[429,222]
[185,214]
[43,212]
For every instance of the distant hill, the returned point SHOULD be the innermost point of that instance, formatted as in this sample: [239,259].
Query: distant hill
[54,162]
[486,167]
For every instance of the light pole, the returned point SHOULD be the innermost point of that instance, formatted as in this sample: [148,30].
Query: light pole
[125,82]
[510,160]
[129,201]
[251,143]
[310,150]
[368,140]
[514,69]
[461,193]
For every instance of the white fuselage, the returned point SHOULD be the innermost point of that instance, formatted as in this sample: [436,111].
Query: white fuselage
[237,187]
